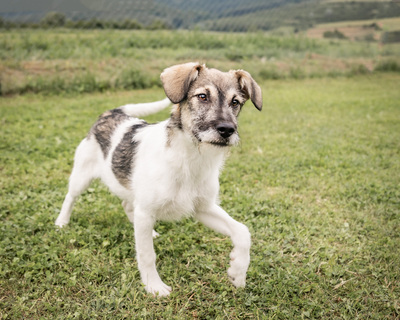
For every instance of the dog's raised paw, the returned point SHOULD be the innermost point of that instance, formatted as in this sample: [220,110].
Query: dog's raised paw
[237,277]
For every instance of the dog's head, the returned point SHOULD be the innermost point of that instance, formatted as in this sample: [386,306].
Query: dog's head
[209,101]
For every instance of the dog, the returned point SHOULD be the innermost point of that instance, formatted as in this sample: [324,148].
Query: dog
[170,170]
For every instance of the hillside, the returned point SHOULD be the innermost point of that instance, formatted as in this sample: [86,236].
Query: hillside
[224,15]
[176,13]
[304,15]
[140,10]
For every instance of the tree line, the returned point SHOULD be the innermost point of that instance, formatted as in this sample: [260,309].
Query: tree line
[59,20]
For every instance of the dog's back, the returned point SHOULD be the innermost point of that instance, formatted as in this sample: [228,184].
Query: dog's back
[107,152]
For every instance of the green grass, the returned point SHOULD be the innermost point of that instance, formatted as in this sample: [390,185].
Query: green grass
[315,178]
[77,61]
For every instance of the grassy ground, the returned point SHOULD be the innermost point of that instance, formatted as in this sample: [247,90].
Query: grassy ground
[78,61]
[315,179]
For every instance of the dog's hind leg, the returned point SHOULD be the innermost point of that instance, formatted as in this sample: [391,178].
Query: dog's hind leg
[217,219]
[82,175]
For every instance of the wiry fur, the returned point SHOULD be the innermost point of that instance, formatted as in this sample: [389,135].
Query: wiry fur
[170,170]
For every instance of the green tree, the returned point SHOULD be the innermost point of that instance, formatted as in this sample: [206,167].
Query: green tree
[158,25]
[53,19]
[130,24]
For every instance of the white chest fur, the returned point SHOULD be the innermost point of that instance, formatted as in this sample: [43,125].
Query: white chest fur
[173,180]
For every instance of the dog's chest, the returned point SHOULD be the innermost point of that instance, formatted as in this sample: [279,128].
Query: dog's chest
[176,189]
[183,191]
[174,180]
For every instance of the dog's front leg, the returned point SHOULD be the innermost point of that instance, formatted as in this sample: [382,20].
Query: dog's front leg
[145,254]
[217,219]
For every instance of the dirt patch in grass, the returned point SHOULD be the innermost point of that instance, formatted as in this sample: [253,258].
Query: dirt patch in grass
[350,32]
[329,64]
[326,63]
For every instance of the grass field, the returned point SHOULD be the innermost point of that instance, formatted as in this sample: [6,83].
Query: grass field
[79,61]
[315,178]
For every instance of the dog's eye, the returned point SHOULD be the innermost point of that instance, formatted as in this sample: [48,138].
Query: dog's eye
[235,103]
[202,97]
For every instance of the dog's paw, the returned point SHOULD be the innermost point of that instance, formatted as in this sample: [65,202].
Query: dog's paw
[61,223]
[158,288]
[237,277]
[155,234]
[238,269]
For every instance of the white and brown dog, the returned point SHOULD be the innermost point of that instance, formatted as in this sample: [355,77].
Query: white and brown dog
[170,170]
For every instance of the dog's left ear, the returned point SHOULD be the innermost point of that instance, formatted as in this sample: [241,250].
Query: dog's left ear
[177,79]
[251,89]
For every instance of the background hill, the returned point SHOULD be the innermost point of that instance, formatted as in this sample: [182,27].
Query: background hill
[305,14]
[224,15]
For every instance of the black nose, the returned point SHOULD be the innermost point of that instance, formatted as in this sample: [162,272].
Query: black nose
[226,129]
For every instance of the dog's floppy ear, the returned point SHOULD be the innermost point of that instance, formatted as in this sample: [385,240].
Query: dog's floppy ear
[250,88]
[176,80]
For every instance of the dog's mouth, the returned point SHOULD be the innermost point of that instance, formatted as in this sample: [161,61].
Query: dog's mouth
[219,143]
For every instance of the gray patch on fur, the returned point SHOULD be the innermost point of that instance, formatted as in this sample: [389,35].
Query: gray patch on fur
[122,158]
[105,126]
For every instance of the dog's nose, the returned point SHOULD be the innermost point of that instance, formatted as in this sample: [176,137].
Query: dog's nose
[226,129]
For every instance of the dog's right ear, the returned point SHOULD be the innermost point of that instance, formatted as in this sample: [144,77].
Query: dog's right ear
[176,80]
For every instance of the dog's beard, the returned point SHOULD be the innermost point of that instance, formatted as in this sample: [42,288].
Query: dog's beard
[212,137]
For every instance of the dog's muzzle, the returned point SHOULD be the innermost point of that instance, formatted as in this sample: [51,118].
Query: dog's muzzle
[225,129]
[222,134]
[226,134]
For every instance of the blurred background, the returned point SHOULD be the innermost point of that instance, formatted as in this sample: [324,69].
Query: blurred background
[87,45]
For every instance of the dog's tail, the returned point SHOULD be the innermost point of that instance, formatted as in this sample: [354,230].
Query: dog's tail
[145,109]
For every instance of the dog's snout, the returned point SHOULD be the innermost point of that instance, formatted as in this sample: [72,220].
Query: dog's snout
[226,129]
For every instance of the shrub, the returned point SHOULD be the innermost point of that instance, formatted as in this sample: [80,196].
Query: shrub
[270,74]
[388,66]
[158,25]
[129,24]
[369,38]
[132,79]
[358,69]
[391,37]
[53,19]
[334,34]
[297,73]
